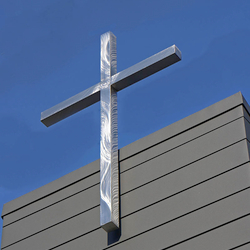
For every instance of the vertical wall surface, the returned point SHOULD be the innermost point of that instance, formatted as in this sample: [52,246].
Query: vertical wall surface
[185,186]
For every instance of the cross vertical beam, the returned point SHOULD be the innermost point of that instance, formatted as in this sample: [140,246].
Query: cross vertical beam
[109,186]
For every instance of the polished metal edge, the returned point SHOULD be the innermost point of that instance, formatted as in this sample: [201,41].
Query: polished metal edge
[71,106]
[109,186]
[146,68]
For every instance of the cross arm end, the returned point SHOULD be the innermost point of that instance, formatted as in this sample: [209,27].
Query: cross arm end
[71,106]
[146,67]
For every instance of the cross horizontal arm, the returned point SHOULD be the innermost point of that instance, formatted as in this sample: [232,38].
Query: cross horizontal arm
[119,81]
[71,105]
[146,68]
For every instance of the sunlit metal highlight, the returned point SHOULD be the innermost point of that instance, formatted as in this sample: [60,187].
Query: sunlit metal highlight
[109,186]
[106,92]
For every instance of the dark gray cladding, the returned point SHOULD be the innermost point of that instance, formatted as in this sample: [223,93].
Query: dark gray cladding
[185,186]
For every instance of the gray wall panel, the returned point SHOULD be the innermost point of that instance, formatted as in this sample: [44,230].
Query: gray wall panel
[182,125]
[247,127]
[246,105]
[183,180]
[169,131]
[51,187]
[181,204]
[244,247]
[142,197]
[246,114]
[52,199]
[176,206]
[56,235]
[172,143]
[204,169]
[158,136]
[188,226]
[166,234]
[213,164]
[183,137]
[96,240]
[226,237]
[188,153]
[52,215]
[248,147]
[146,155]
[183,186]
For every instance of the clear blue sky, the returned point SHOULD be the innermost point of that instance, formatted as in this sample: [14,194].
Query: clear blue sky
[50,51]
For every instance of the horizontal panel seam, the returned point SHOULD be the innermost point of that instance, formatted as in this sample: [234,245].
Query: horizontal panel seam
[176,218]
[246,243]
[132,155]
[207,231]
[42,197]
[145,207]
[52,204]
[184,131]
[182,144]
[177,169]
[57,190]
[246,109]
[31,235]
[246,119]
[75,238]
[184,190]
[140,185]
[161,225]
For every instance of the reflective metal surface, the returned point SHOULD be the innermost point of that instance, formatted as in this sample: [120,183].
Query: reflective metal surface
[120,81]
[106,92]
[109,188]
[146,68]
[71,105]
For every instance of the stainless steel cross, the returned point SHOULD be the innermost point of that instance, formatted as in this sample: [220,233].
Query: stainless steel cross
[106,92]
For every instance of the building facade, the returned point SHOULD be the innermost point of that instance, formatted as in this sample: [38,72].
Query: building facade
[183,187]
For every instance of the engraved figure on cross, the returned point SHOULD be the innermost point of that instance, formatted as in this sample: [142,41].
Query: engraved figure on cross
[106,92]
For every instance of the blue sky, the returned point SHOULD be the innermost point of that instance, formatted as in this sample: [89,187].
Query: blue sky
[50,51]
